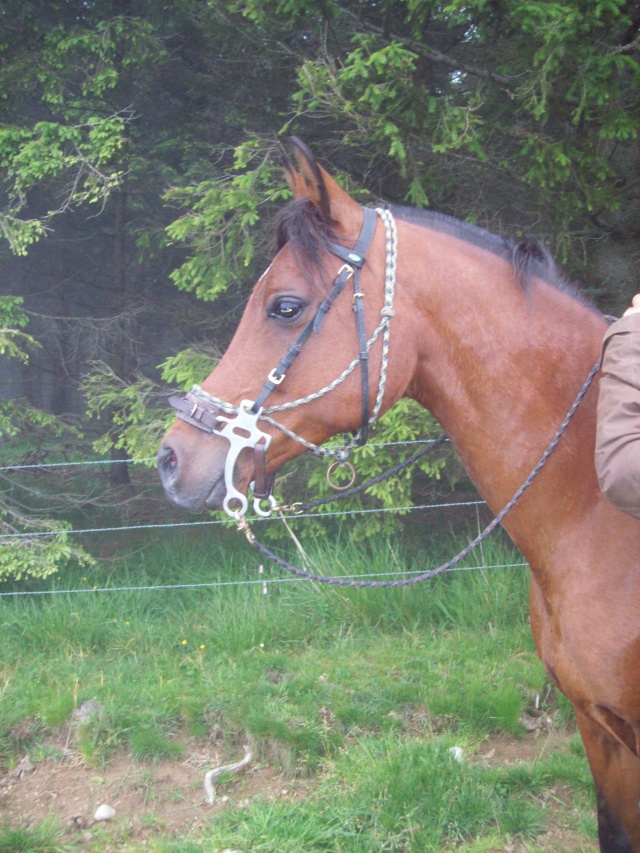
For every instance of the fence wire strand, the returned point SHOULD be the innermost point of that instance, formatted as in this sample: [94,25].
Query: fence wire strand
[148,459]
[219,584]
[257,519]
[263,582]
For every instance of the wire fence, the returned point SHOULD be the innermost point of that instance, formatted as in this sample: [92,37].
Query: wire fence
[119,529]
[263,582]
[150,459]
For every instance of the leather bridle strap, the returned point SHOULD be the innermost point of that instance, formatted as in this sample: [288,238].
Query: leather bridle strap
[354,261]
[277,374]
[356,258]
[195,412]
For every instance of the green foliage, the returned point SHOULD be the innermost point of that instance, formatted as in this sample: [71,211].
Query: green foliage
[136,418]
[35,548]
[32,545]
[77,152]
[187,368]
[136,412]
[12,340]
[52,150]
[556,81]
[221,224]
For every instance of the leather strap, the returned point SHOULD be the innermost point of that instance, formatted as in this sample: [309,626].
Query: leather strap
[192,410]
[355,259]
[357,256]
[363,355]
[262,482]
[277,375]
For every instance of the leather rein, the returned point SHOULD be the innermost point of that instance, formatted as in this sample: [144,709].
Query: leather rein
[239,424]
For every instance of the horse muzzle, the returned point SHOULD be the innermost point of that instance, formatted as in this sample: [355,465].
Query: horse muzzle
[195,474]
[192,476]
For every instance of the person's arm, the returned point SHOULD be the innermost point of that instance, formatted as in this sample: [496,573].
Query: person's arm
[617,456]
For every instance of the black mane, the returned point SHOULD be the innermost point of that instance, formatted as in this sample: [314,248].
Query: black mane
[302,225]
[530,257]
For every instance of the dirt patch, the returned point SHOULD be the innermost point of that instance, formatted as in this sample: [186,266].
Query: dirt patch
[164,798]
[167,798]
[504,750]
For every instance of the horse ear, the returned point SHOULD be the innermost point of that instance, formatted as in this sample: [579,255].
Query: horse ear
[294,179]
[314,182]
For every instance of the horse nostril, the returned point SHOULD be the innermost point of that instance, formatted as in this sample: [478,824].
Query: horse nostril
[167,459]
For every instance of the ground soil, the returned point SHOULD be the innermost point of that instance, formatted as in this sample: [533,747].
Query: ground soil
[166,799]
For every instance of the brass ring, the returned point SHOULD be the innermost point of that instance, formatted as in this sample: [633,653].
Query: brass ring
[336,486]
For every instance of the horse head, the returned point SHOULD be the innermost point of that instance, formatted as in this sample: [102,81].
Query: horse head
[309,349]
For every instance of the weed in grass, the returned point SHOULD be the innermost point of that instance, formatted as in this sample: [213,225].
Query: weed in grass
[58,708]
[494,705]
[45,838]
[284,827]
[523,818]
[419,787]
[16,737]
[588,825]
[292,742]
[571,769]
[96,742]
[525,777]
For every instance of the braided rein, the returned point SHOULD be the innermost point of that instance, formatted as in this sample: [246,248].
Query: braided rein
[243,524]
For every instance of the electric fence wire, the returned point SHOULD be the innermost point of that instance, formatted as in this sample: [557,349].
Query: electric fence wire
[264,582]
[150,459]
[212,521]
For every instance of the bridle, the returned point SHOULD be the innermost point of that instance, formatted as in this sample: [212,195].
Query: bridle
[239,424]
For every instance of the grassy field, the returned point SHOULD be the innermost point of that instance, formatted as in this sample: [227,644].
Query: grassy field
[378,720]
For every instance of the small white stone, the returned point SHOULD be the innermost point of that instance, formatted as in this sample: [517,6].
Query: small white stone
[104,812]
[457,753]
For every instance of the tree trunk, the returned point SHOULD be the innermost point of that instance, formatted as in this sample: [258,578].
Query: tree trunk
[119,473]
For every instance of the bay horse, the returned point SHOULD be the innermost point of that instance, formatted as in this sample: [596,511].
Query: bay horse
[485,334]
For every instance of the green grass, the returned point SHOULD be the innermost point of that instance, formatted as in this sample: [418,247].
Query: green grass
[45,838]
[361,691]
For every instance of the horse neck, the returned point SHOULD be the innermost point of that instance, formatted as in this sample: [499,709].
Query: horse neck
[498,365]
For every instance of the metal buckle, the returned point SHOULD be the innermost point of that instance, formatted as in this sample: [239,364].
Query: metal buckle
[276,379]
[346,267]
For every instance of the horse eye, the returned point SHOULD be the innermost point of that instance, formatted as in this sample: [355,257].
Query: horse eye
[286,308]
